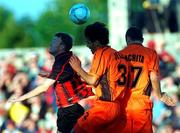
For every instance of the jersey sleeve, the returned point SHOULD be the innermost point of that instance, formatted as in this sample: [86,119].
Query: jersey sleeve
[154,63]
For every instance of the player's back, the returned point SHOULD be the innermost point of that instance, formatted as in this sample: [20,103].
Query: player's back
[106,66]
[141,61]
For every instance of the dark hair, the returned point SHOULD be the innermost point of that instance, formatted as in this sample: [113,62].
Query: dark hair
[134,34]
[97,32]
[67,40]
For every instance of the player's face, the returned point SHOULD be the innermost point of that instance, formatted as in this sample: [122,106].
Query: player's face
[55,46]
[90,45]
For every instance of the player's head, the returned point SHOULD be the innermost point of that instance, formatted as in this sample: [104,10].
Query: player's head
[61,42]
[97,35]
[134,35]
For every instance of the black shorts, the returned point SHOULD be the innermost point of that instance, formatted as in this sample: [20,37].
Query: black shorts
[68,116]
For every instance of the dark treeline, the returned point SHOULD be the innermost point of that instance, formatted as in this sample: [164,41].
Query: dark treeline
[27,32]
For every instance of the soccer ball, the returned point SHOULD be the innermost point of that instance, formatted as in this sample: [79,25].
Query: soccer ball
[79,13]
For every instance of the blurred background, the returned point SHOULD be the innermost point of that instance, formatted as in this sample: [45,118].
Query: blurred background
[26,30]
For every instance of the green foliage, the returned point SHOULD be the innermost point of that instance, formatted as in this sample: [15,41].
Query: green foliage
[56,19]
[28,33]
[12,33]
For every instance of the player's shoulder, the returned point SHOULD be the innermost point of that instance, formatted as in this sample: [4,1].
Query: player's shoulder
[150,51]
[111,50]
[105,51]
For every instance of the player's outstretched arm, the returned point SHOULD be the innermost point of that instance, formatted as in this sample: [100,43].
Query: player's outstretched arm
[38,90]
[157,90]
[76,65]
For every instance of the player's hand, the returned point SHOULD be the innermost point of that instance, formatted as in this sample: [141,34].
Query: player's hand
[43,74]
[88,102]
[75,63]
[167,100]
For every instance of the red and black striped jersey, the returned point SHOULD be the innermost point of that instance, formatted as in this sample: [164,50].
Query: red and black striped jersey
[69,88]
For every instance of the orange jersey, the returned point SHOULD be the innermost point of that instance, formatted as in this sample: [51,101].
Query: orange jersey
[136,106]
[137,113]
[142,61]
[107,69]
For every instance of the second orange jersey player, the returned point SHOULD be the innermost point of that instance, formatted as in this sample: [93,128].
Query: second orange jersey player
[136,106]
[106,76]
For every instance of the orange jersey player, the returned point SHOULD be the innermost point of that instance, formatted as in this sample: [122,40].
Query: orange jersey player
[136,106]
[106,76]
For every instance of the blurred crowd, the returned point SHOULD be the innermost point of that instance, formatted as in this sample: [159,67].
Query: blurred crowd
[155,16]
[19,74]
[167,119]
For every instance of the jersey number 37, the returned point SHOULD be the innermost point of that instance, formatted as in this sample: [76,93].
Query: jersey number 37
[129,77]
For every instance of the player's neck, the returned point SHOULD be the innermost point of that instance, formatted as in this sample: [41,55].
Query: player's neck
[61,52]
[134,43]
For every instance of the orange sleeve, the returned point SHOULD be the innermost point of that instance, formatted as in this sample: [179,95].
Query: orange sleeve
[154,63]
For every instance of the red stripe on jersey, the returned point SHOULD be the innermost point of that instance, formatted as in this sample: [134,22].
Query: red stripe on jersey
[61,98]
[70,89]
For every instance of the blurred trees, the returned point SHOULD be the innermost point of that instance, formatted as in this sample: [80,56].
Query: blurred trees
[38,33]
[11,34]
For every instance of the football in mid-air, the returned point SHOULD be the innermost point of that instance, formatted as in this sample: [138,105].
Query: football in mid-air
[79,13]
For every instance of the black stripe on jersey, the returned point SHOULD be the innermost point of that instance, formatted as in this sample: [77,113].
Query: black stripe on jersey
[105,88]
[81,95]
[74,84]
[148,89]
[100,58]
[77,89]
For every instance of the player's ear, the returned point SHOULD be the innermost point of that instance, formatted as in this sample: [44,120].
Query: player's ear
[97,43]
[62,47]
[128,39]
